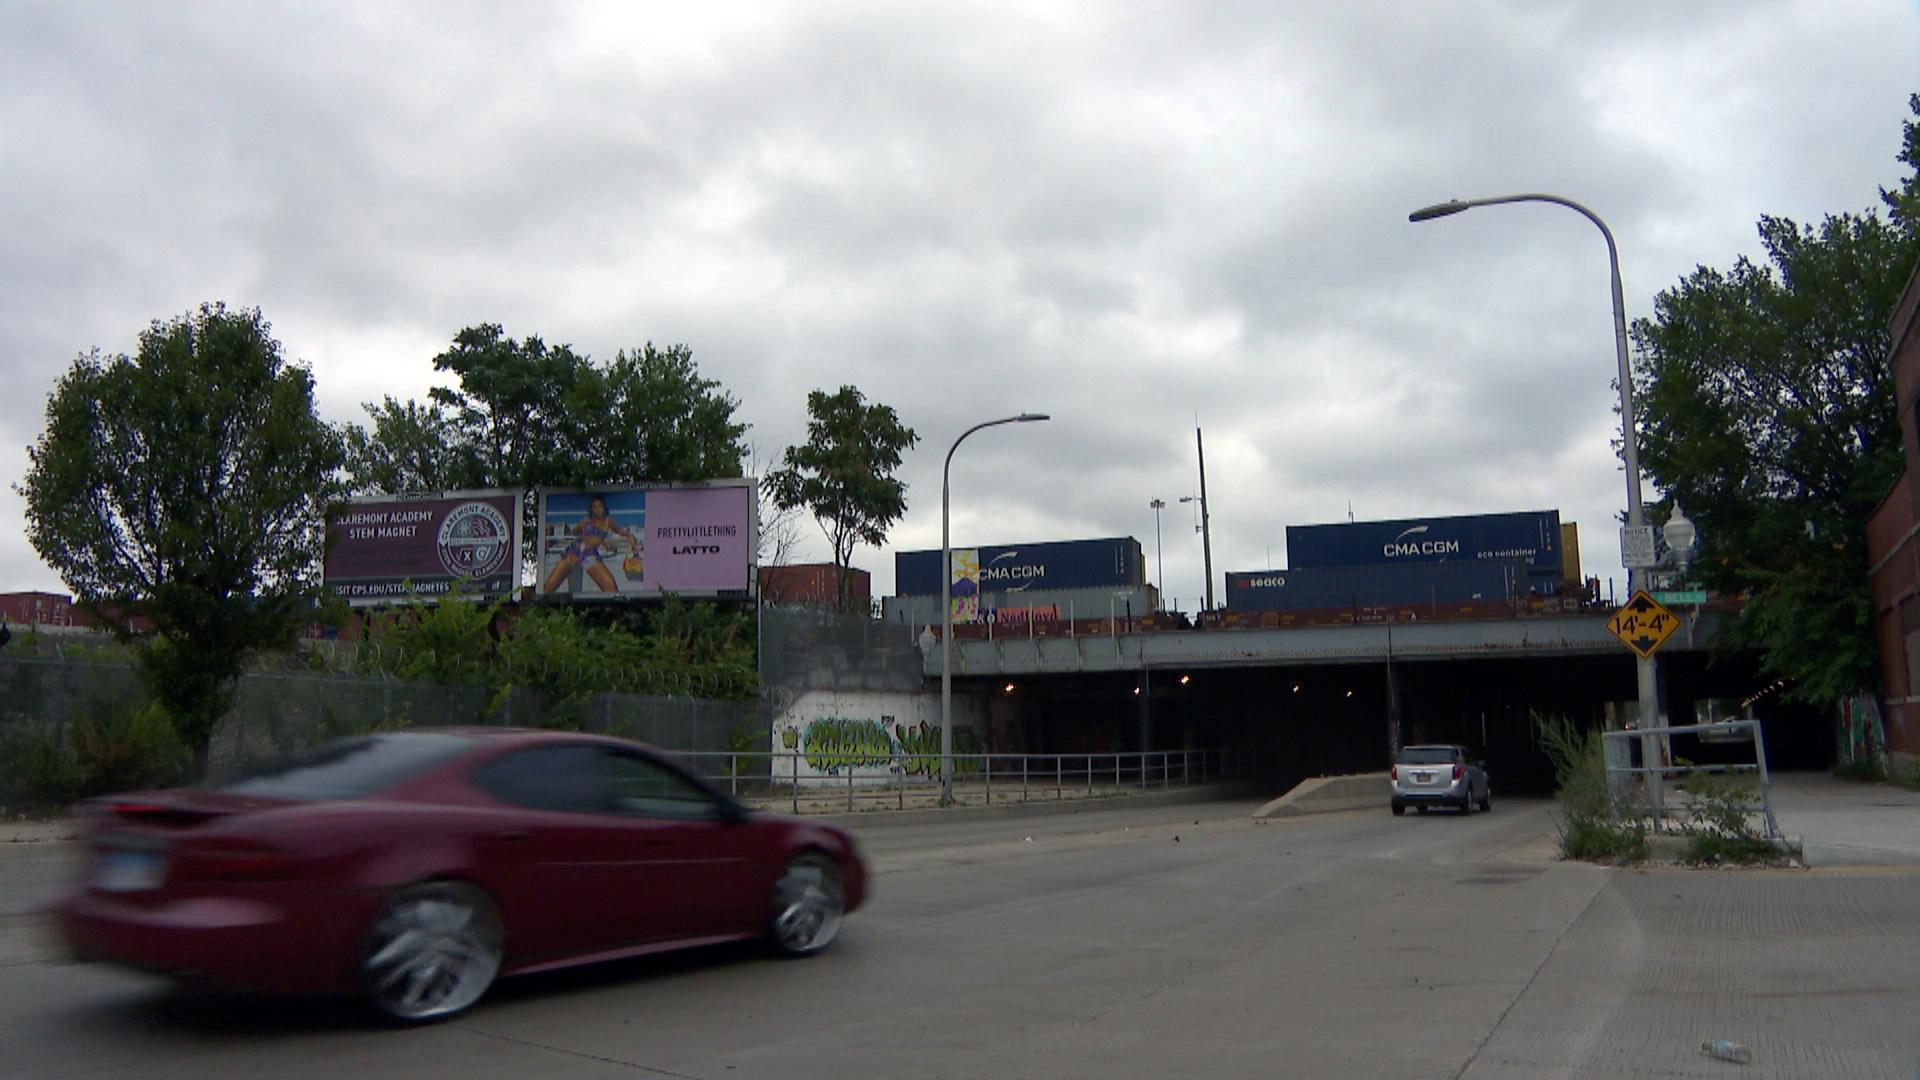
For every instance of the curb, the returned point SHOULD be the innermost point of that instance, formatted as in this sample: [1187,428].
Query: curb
[999,812]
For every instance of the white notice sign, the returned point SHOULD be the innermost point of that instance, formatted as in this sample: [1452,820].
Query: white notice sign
[1638,549]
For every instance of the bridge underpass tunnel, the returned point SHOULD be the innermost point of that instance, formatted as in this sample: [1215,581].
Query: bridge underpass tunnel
[1328,719]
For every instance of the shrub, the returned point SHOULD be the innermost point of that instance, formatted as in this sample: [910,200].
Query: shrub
[128,748]
[37,769]
[1866,770]
[1592,824]
[125,748]
[1720,828]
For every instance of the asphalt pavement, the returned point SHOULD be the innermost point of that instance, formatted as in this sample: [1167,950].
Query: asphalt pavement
[1184,940]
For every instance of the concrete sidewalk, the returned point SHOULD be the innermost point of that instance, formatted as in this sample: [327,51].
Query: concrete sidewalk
[1846,823]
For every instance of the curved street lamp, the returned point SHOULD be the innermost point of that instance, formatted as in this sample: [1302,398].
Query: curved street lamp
[1629,442]
[946,606]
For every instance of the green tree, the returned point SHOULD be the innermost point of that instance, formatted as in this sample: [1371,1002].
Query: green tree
[186,485]
[523,415]
[844,473]
[519,406]
[659,419]
[1767,412]
[411,447]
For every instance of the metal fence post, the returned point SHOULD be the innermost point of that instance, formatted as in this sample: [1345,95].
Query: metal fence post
[1059,785]
[903,789]
[989,765]
[1143,770]
[1089,776]
[849,789]
[733,772]
[1023,778]
[796,782]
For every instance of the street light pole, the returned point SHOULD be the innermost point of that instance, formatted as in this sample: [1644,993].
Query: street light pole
[1159,560]
[1630,449]
[946,605]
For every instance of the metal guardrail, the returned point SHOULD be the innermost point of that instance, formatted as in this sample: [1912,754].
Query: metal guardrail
[1655,775]
[779,775]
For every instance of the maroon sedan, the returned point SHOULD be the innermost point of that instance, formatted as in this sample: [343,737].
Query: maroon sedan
[415,867]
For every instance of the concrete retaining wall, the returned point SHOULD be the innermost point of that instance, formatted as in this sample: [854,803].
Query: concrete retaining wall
[1327,794]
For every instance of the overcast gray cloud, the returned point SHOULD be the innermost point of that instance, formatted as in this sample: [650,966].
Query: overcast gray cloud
[1128,215]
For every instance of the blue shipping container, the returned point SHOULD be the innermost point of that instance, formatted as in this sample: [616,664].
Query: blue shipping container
[1375,586]
[1013,568]
[1533,537]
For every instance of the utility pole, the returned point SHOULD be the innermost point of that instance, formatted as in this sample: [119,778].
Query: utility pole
[1206,525]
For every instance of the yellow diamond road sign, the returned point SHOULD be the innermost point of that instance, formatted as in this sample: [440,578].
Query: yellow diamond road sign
[1642,624]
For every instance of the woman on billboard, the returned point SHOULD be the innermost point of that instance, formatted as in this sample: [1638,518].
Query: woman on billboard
[592,531]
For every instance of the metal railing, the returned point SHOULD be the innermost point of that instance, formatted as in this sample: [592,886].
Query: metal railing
[1620,777]
[800,780]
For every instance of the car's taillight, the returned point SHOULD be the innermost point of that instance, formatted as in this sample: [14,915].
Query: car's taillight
[231,860]
[1393,772]
[1457,771]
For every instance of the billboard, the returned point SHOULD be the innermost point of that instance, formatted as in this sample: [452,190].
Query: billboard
[383,550]
[1532,537]
[687,539]
[1017,568]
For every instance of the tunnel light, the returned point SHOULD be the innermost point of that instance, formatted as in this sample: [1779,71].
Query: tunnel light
[1349,693]
[1296,688]
[1009,688]
[1185,679]
[1136,691]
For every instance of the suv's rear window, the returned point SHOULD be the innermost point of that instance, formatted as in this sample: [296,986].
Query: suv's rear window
[1426,755]
[352,768]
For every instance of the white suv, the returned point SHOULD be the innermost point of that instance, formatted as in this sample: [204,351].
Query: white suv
[1424,776]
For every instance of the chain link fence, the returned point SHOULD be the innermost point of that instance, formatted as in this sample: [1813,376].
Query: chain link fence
[276,713]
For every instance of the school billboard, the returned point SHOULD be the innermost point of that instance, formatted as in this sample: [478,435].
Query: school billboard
[389,549]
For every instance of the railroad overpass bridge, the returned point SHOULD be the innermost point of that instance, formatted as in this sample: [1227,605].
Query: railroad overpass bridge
[1334,698]
[1564,635]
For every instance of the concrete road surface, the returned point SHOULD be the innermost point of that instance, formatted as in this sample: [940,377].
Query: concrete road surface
[1128,943]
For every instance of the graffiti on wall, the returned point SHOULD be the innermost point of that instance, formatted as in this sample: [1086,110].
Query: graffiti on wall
[837,745]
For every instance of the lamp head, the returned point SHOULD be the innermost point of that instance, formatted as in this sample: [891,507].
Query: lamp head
[1439,210]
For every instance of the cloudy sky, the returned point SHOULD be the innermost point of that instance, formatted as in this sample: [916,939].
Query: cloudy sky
[1132,216]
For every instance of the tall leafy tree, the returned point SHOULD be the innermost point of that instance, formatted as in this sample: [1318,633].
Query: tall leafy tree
[186,485]
[1768,414]
[518,407]
[661,420]
[410,447]
[525,415]
[843,473]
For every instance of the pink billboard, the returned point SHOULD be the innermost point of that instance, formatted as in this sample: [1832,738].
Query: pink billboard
[691,540]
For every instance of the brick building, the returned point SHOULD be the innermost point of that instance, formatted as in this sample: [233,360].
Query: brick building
[1893,552]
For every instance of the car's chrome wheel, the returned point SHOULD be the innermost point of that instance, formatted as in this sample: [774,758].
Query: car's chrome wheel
[433,952]
[808,905]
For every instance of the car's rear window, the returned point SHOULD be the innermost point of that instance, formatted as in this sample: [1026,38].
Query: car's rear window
[1426,755]
[352,768]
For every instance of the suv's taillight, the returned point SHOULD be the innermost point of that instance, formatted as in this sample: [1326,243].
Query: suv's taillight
[1457,771]
[1393,772]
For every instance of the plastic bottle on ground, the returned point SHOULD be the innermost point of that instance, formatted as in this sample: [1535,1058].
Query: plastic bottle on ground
[1727,1050]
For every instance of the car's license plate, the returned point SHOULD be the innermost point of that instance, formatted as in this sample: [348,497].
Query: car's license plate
[1423,778]
[129,871]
